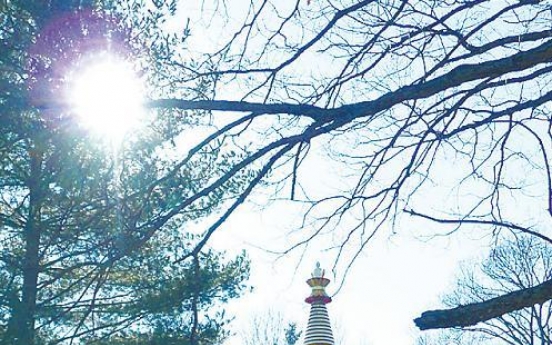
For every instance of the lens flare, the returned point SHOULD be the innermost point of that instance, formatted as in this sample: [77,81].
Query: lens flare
[108,97]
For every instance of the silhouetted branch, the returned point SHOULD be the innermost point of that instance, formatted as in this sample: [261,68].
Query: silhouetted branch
[472,314]
[493,223]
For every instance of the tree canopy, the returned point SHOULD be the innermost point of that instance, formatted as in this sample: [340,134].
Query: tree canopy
[89,232]
[405,97]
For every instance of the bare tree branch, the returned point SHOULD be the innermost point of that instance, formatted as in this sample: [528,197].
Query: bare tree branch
[472,314]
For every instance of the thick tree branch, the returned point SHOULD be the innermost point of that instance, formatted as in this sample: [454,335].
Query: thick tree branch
[240,106]
[455,78]
[471,314]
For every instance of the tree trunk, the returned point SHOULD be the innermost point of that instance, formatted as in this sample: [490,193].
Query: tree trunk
[21,329]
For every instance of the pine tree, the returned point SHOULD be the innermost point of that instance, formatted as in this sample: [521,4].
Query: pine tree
[89,236]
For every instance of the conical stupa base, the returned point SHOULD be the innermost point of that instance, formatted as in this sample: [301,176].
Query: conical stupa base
[319,330]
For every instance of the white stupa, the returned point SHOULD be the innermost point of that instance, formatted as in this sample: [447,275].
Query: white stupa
[319,330]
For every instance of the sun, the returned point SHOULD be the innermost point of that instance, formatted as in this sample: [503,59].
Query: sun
[107,96]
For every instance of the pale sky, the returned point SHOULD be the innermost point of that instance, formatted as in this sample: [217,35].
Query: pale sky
[392,283]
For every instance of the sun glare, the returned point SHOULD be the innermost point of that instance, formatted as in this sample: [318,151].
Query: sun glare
[108,98]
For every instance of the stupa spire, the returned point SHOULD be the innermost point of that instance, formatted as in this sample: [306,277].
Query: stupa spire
[319,330]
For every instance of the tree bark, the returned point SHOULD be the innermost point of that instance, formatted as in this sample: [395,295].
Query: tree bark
[471,314]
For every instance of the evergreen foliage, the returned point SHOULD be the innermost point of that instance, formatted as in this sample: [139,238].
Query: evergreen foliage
[89,233]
